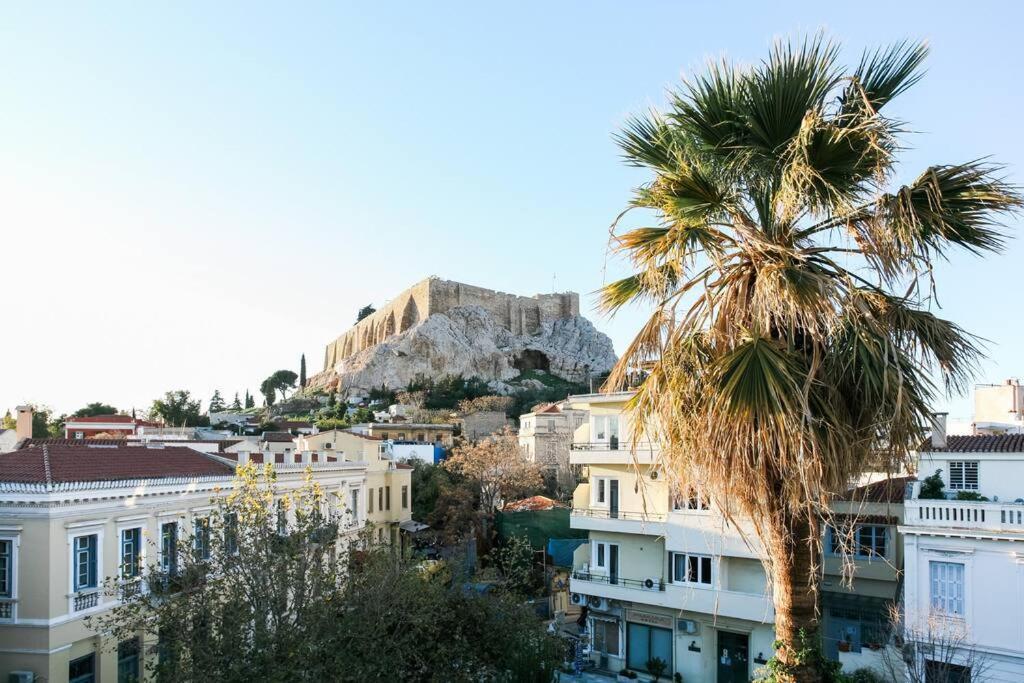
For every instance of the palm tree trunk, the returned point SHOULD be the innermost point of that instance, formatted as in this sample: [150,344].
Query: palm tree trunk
[792,545]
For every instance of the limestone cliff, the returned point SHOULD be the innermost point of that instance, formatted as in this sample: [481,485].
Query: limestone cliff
[468,341]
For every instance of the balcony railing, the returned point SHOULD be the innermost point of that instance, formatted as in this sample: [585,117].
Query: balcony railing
[6,609]
[130,588]
[965,514]
[612,445]
[645,584]
[604,513]
[83,601]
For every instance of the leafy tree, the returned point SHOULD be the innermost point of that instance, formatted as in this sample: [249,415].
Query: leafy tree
[302,372]
[236,404]
[326,423]
[496,466]
[279,382]
[178,409]
[94,409]
[281,599]
[250,402]
[216,402]
[791,343]
[9,420]
[514,562]
[933,487]
[365,312]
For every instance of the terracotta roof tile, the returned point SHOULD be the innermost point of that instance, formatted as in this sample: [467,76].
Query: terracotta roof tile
[57,441]
[981,443]
[883,491]
[77,463]
[277,437]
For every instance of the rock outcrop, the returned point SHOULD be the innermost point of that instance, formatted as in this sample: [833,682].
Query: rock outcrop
[468,341]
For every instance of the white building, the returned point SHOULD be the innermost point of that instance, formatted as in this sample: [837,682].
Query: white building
[965,558]
[665,576]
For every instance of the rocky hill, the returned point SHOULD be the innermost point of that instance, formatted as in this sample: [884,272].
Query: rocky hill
[468,341]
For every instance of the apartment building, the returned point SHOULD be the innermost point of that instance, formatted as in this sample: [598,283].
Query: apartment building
[666,577]
[546,434]
[964,550]
[388,481]
[71,515]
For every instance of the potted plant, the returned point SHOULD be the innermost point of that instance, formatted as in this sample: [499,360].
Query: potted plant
[656,667]
[844,646]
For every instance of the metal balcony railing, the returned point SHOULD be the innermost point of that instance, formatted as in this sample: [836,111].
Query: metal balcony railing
[6,609]
[611,445]
[602,513]
[642,584]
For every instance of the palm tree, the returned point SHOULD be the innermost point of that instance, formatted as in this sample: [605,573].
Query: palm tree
[792,345]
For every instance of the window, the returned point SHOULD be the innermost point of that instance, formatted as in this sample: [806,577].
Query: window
[963,475]
[605,555]
[387,498]
[690,498]
[85,559]
[690,568]
[947,587]
[868,540]
[201,529]
[79,435]
[401,436]
[169,547]
[231,533]
[354,494]
[380,535]
[606,637]
[83,669]
[131,553]
[6,568]
[405,497]
[606,430]
[644,643]
[600,491]
[439,438]
[945,672]
[369,502]
[421,437]
[128,665]
[380,499]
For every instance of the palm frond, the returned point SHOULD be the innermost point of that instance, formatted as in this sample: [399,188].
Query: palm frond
[883,75]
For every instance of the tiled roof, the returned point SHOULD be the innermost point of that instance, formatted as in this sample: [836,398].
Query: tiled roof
[402,466]
[57,441]
[981,443]
[549,408]
[292,424]
[277,437]
[883,491]
[65,463]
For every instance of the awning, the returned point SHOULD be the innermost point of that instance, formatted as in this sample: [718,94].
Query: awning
[412,526]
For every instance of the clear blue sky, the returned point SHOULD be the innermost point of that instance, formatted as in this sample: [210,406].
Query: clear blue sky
[193,195]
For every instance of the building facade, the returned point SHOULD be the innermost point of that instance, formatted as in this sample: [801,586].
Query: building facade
[665,576]
[965,553]
[70,513]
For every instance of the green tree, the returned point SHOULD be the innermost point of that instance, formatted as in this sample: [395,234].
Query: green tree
[302,372]
[365,312]
[250,402]
[9,421]
[94,409]
[279,382]
[791,343]
[236,404]
[178,409]
[216,402]
[280,599]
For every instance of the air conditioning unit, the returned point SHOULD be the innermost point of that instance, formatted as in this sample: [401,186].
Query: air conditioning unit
[21,677]
[600,604]
[578,598]
[687,626]
[652,584]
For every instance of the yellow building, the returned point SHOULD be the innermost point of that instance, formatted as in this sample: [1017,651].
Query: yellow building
[71,515]
[663,574]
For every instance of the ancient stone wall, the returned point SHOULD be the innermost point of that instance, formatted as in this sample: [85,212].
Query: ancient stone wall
[518,314]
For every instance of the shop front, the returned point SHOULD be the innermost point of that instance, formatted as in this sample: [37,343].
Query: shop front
[648,637]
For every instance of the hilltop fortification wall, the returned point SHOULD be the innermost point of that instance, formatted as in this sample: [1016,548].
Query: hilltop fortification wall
[520,315]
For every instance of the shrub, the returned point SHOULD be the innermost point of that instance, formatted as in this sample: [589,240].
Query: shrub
[932,487]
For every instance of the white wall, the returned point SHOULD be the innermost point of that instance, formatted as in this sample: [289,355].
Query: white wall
[999,474]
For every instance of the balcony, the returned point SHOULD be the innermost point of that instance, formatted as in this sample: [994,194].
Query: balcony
[756,607]
[84,601]
[623,522]
[7,609]
[965,514]
[613,452]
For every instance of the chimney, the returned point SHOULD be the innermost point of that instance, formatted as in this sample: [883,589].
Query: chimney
[24,427]
[939,430]
[243,457]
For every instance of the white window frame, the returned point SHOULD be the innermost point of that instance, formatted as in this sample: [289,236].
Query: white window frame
[12,535]
[140,551]
[600,483]
[619,628]
[963,466]
[835,539]
[703,502]
[710,583]
[176,520]
[604,423]
[595,553]
[79,435]
[937,611]
[78,530]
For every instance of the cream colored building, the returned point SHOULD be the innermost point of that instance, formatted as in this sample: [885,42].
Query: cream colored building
[546,434]
[442,434]
[663,573]
[70,515]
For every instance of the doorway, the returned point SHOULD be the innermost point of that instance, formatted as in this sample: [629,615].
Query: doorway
[732,656]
